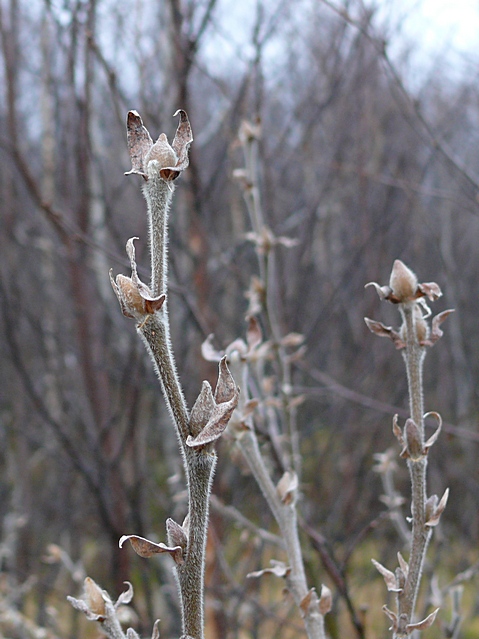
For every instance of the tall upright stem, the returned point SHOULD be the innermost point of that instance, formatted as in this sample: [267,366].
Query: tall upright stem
[199,466]
[158,195]
[414,358]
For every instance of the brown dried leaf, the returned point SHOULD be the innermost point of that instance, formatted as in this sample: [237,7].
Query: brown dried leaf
[176,534]
[139,143]
[392,616]
[436,332]
[278,568]
[225,386]
[156,630]
[136,300]
[388,576]
[424,624]
[385,331]
[146,548]
[216,425]
[126,596]
[434,510]
[325,600]
[182,141]
[202,409]
[413,438]
[431,290]
[287,487]
[224,402]
[384,292]
[435,435]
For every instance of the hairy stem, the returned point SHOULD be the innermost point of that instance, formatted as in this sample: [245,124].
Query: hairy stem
[155,333]
[414,358]
[190,574]
[285,515]
[158,195]
[199,463]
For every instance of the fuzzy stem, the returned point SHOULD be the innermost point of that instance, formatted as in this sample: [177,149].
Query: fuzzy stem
[199,464]
[190,575]
[267,271]
[158,195]
[285,515]
[414,358]
[155,333]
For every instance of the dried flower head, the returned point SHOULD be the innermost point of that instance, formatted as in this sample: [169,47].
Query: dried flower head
[170,160]
[404,288]
[135,298]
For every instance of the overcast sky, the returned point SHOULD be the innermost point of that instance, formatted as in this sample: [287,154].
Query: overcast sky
[434,24]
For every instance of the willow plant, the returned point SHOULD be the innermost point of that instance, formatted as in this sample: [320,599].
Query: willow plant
[412,339]
[159,164]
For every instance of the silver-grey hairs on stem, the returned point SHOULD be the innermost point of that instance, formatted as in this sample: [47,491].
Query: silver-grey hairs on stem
[412,339]
[160,164]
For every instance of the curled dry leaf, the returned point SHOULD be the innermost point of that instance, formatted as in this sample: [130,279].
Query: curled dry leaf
[392,616]
[325,600]
[431,290]
[202,409]
[176,534]
[388,576]
[414,444]
[278,568]
[139,142]
[287,487]
[436,332]
[434,510]
[385,331]
[435,435]
[126,596]
[210,414]
[182,140]
[424,624]
[156,630]
[209,352]
[146,548]
[135,298]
